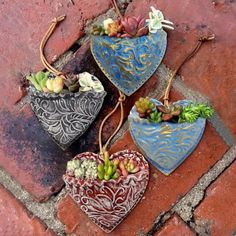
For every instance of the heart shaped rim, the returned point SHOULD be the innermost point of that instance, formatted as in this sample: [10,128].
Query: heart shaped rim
[73,184]
[152,70]
[34,94]
[133,116]
[55,96]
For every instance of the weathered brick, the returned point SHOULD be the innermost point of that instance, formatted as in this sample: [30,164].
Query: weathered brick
[83,61]
[22,27]
[161,193]
[75,221]
[30,155]
[26,151]
[175,226]
[217,212]
[41,162]
[211,71]
[15,220]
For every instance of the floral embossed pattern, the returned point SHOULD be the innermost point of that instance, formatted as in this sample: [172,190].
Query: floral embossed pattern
[107,203]
[68,115]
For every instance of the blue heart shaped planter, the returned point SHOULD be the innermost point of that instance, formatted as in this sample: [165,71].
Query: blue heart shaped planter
[166,145]
[129,62]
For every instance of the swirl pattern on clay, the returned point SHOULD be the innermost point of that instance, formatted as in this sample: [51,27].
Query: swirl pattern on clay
[107,203]
[129,62]
[66,116]
[166,145]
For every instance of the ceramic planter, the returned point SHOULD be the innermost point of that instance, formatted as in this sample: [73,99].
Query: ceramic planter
[166,145]
[107,203]
[129,62]
[66,116]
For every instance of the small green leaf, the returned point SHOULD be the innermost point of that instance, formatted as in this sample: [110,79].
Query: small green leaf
[43,82]
[33,80]
[155,117]
[39,76]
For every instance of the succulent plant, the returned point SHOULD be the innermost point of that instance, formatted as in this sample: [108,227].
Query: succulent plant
[156,21]
[89,82]
[192,112]
[144,107]
[205,110]
[127,27]
[188,115]
[72,82]
[127,166]
[55,85]
[155,117]
[98,30]
[106,24]
[168,112]
[73,164]
[133,26]
[173,112]
[39,80]
[42,81]
[114,29]
[108,170]
[82,169]
[110,27]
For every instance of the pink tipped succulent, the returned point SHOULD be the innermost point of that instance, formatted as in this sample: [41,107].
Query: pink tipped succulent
[133,26]
[127,166]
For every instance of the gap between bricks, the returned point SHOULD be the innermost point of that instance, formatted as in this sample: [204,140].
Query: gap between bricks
[46,211]
[184,207]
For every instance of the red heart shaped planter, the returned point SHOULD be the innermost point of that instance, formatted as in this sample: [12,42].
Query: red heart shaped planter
[107,203]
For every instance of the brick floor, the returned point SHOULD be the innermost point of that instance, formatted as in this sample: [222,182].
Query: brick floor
[34,160]
[15,220]
[37,155]
[22,25]
[84,61]
[211,71]
[175,227]
[161,193]
[217,212]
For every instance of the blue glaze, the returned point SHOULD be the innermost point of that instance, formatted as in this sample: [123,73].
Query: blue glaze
[129,62]
[166,145]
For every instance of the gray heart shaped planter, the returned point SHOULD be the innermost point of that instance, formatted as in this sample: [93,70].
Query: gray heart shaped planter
[166,145]
[66,116]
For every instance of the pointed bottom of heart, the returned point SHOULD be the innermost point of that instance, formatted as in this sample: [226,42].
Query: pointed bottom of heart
[166,145]
[66,116]
[107,203]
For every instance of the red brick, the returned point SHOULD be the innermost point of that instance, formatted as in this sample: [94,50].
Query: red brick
[23,24]
[30,155]
[83,61]
[175,226]
[15,220]
[161,193]
[211,71]
[218,209]
[26,151]
[75,221]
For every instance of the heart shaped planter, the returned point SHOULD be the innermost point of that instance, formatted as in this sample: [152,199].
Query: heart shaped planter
[66,116]
[166,145]
[107,203]
[129,62]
